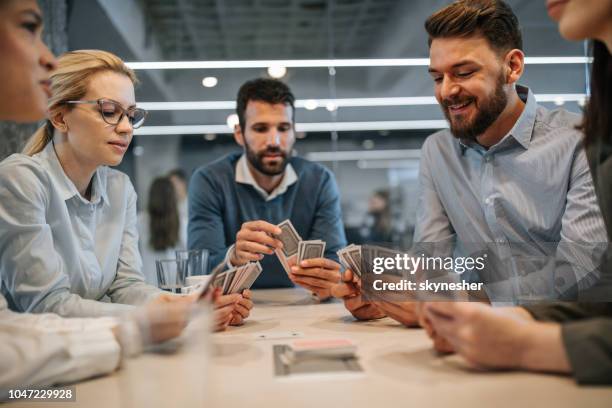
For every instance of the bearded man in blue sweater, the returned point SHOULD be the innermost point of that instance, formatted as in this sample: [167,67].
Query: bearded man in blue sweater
[236,202]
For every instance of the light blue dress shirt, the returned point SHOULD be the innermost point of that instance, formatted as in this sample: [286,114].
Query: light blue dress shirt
[529,194]
[61,253]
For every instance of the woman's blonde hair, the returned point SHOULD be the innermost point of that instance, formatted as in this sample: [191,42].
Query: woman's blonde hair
[70,82]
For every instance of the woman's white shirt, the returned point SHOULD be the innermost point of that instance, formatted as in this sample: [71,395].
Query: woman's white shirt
[61,253]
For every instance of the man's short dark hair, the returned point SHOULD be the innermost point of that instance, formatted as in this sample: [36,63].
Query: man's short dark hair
[493,19]
[267,90]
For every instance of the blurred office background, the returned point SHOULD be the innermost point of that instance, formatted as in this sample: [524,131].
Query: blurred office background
[367,123]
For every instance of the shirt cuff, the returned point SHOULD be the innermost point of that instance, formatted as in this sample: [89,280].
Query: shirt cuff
[228,255]
[94,352]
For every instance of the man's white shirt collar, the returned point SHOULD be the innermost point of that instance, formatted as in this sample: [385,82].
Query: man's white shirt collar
[244,176]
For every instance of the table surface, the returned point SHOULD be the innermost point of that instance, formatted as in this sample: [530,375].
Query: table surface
[400,369]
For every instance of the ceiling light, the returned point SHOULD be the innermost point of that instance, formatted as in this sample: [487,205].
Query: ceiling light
[559,101]
[210,82]
[277,71]
[388,62]
[299,127]
[311,104]
[232,121]
[210,137]
[331,106]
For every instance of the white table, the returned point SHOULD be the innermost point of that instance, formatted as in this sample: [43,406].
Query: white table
[400,369]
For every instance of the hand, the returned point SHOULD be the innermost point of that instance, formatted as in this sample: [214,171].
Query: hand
[254,239]
[440,344]
[166,298]
[224,310]
[349,290]
[318,275]
[242,309]
[403,312]
[498,337]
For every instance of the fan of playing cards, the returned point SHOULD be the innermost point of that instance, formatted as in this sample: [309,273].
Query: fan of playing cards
[237,279]
[293,246]
[350,258]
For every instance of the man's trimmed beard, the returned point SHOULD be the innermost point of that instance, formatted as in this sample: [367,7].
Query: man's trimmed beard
[489,111]
[256,160]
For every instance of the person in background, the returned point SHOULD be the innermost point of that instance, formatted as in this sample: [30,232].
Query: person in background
[44,349]
[569,338]
[179,180]
[159,238]
[159,227]
[236,202]
[377,227]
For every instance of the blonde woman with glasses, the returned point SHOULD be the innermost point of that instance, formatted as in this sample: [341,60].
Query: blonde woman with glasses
[69,243]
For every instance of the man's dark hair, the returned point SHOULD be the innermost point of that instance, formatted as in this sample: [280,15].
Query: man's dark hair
[267,90]
[493,19]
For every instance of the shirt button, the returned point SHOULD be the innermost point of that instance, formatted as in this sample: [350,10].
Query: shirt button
[500,241]
[488,201]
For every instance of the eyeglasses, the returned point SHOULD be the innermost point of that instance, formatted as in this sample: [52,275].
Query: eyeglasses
[112,112]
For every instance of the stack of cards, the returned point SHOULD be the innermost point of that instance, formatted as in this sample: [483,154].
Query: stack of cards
[321,348]
[350,257]
[237,279]
[310,249]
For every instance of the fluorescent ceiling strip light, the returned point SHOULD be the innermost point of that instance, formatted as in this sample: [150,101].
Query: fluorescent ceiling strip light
[341,102]
[388,62]
[300,127]
[353,155]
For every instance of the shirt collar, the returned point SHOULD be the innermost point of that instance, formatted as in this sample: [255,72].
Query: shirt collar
[66,187]
[244,176]
[522,130]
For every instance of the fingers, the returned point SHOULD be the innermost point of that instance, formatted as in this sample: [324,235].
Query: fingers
[264,226]
[343,290]
[222,317]
[332,276]
[323,263]
[225,300]
[347,276]
[258,237]
[246,294]
[241,310]
[310,283]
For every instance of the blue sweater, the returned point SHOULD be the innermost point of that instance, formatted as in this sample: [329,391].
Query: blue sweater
[218,206]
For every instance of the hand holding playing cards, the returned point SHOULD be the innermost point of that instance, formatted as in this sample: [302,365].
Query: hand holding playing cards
[242,308]
[350,292]
[318,275]
[255,239]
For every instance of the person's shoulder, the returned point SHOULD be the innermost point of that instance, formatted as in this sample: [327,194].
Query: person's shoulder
[219,167]
[23,169]
[559,120]
[305,166]
[116,177]
[441,140]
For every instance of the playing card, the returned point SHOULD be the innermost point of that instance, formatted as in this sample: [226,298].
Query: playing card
[229,277]
[310,249]
[290,238]
[254,272]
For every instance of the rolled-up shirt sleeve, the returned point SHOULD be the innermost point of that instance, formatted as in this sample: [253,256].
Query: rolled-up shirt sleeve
[42,350]
[34,276]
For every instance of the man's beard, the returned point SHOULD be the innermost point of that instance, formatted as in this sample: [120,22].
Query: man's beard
[257,160]
[488,113]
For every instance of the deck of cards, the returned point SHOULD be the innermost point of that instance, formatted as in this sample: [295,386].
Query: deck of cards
[320,348]
[237,279]
[295,247]
[350,258]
